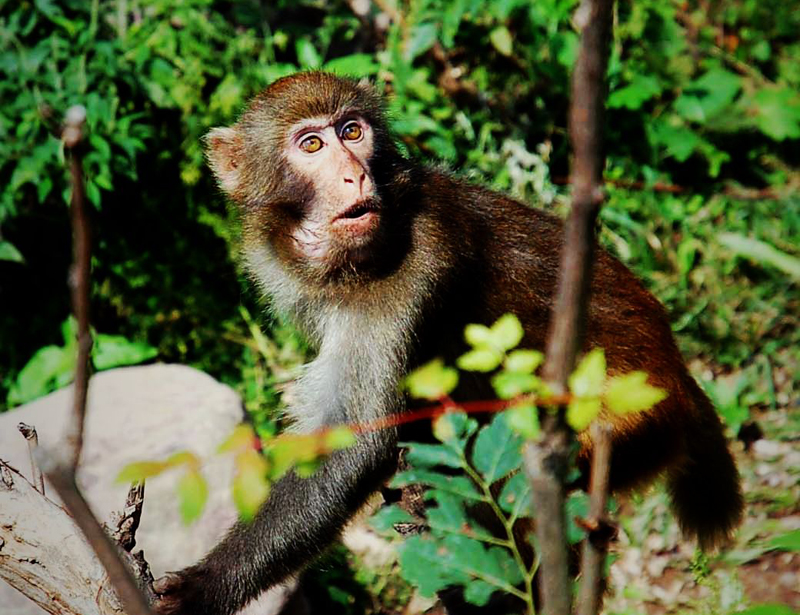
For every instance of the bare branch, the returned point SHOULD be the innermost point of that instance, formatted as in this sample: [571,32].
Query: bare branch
[596,544]
[79,276]
[60,466]
[29,431]
[546,462]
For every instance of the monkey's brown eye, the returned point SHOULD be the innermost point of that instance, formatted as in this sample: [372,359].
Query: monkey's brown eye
[311,144]
[352,132]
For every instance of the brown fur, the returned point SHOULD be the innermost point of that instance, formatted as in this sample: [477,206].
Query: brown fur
[445,253]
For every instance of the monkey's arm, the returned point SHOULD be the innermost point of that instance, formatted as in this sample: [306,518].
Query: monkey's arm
[300,518]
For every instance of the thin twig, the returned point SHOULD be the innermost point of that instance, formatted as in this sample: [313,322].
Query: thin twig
[546,462]
[596,544]
[60,468]
[79,277]
[29,431]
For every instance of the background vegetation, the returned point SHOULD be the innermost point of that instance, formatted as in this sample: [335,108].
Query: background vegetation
[703,142]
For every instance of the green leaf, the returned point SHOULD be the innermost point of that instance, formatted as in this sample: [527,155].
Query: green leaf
[423,37]
[631,393]
[242,438]
[139,471]
[761,252]
[115,350]
[778,113]
[432,381]
[497,450]
[307,55]
[192,495]
[582,411]
[589,377]
[509,385]
[354,65]
[478,335]
[458,485]
[524,419]
[641,89]
[250,485]
[515,497]
[339,438]
[384,520]
[523,361]
[786,542]
[49,367]
[501,40]
[507,332]
[767,609]
[577,506]
[9,253]
[480,360]
[432,455]
[432,565]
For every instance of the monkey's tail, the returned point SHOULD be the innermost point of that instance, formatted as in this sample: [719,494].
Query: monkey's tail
[705,488]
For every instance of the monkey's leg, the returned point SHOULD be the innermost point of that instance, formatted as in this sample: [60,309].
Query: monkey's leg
[301,517]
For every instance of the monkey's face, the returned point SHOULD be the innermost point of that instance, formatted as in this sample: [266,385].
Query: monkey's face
[303,165]
[341,214]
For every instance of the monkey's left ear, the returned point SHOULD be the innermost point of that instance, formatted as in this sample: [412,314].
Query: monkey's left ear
[224,153]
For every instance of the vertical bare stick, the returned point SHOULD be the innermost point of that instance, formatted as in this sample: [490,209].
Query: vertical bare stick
[60,470]
[29,431]
[596,544]
[79,277]
[546,462]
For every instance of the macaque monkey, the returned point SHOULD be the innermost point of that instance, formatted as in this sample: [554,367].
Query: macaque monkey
[381,261]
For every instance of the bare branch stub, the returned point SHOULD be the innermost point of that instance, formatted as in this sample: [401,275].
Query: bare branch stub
[29,432]
[546,462]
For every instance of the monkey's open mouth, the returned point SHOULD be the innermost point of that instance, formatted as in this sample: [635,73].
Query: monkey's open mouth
[358,210]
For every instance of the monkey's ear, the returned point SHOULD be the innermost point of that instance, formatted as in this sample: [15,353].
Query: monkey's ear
[224,148]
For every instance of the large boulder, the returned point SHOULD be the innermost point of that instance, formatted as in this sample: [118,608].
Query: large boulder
[141,413]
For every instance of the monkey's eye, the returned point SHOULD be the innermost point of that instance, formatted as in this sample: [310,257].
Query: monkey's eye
[352,132]
[311,144]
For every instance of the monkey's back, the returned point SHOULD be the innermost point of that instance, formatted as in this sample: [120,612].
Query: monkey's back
[509,258]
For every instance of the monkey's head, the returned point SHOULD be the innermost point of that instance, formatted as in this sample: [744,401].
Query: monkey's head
[306,164]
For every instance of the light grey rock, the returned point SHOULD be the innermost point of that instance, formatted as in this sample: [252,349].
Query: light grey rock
[133,414]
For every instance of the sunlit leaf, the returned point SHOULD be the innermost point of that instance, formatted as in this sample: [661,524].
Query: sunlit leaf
[115,351]
[339,438]
[582,411]
[509,385]
[524,419]
[631,393]
[501,40]
[250,485]
[433,380]
[480,360]
[507,332]
[192,495]
[588,378]
[140,470]
[477,335]
[242,438]
[523,361]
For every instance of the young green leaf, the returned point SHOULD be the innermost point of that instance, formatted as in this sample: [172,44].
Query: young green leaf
[582,411]
[432,381]
[339,438]
[631,393]
[588,378]
[509,385]
[524,419]
[192,495]
[478,335]
[501,40]
[483,359]
[507,332]
[523,361]
[250,485]
[140,470]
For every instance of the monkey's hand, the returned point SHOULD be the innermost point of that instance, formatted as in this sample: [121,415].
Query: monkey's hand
[178,594]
